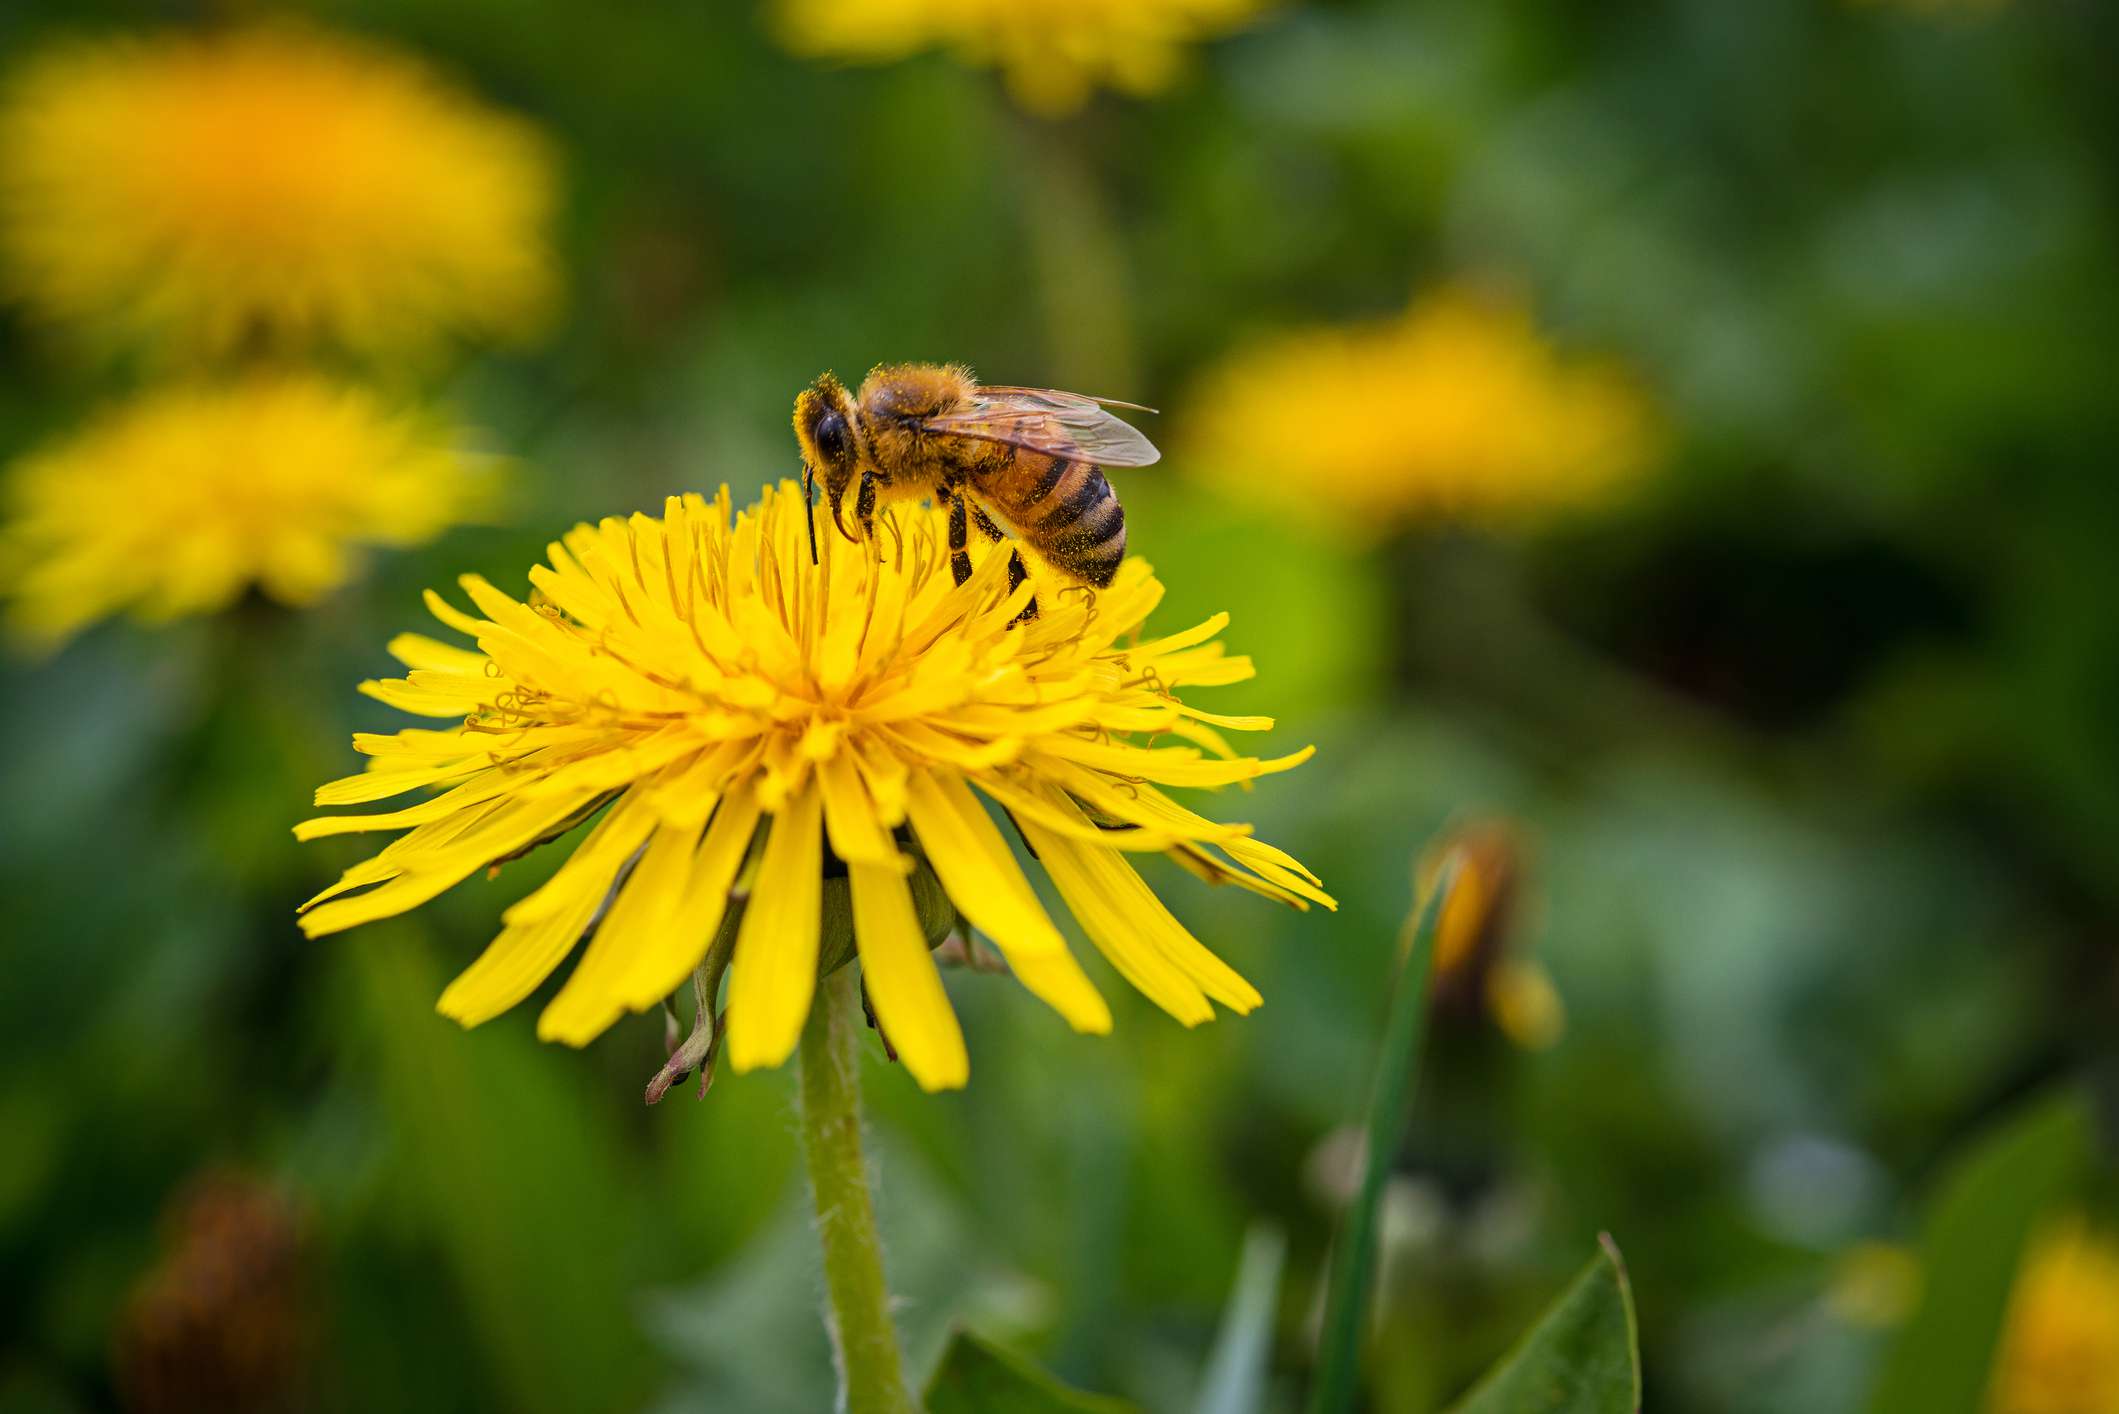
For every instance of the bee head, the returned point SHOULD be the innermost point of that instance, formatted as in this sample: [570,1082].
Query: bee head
[824,425]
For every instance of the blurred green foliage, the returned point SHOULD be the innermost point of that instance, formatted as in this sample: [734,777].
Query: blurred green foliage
[1814,737]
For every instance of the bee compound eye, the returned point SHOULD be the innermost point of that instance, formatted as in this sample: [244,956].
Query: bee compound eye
[831,437]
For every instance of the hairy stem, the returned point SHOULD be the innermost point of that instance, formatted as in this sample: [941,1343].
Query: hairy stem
[871,1372]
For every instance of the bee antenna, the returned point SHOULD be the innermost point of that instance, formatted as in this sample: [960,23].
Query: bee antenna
[809,508]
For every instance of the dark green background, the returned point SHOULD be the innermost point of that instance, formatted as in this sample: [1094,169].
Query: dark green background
[1816,738]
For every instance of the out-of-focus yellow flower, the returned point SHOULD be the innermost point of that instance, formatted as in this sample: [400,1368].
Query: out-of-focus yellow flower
[1478,959]
[1458,409]
[1053,53]
[736,707]
[2059,1351]
[178,502]
[272,188]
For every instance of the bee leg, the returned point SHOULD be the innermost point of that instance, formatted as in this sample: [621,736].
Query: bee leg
[809,508]
[1016,572]
[1016,575]
[864,506]
[959,539]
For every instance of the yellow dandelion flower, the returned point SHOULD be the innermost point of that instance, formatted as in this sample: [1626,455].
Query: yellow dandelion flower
[274,186]
[2059,1351]
[736,708]
[1052,53]
[180,501]
[1458,409]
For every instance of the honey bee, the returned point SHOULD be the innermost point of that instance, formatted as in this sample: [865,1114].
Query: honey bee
[1028,459]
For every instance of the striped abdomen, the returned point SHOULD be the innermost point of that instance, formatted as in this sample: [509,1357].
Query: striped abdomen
[1064,508]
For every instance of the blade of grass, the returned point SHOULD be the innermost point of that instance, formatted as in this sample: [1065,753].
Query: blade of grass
[1984,1209]
[1235,1381]
[1390,1093]
[978,1377]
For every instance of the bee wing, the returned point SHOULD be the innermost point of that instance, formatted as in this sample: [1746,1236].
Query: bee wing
[1046,420]
[1055,396]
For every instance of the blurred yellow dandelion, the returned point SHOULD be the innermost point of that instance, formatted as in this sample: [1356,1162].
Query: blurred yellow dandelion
[277,187]
[178,502]
[2059,1351]
[1459,408]
[1052,53]
[699,675]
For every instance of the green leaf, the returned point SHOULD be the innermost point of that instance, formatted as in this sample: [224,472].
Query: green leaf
[1390,1096]
[977,1378]
[1235,1381]
[1983,1210]
[1582,1357]
[513,1159]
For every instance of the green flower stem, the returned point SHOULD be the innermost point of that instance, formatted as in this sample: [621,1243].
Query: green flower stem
[1353,1260]
[1077,258]
[871,1371]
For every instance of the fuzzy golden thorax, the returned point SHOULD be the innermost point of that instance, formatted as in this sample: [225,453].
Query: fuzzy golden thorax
[893,401]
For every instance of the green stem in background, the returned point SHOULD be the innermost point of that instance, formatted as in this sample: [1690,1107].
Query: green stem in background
[1078,260]
[1397,1068]
[871,1371]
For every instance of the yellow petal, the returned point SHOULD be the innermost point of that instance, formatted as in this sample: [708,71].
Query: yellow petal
[1119,889]
[1234,724]
[470,793]
[419,701]
[1139,803]
[686,796]
[902,982]
[1277,867]
[1168,765]
[420,742]
[1026,806]
[775,967]
[1195,860]
[544,926]
[1197,634]
[454,617]
[1205,667]
[416,650]
[979,873]
[1112,930]
[435,857]
[594,863]
[514,963]
[589,1002]
[389,777]
[850,817]
[660,962]
[402,893]
[884,775]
